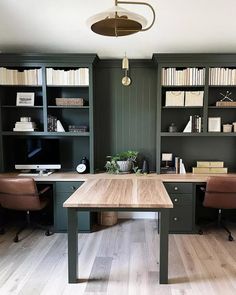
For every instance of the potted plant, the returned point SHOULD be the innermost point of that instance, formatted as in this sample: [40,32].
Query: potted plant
[122,162]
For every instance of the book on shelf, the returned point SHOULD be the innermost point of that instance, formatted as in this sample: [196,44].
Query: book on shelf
[222,76]
[213,170]
[24,77]
[183,77]
[24,126]
[167,170]
[78,77]
[194,124]
[52,123]
[208,164]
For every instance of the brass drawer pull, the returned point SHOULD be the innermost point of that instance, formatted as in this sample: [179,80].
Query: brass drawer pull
[175,188]
[175,218]
[176,200]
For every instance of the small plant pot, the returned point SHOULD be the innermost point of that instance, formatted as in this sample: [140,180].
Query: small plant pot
[124,166]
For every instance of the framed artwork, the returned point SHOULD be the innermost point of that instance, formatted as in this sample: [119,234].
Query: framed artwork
[25,98]
[214,124]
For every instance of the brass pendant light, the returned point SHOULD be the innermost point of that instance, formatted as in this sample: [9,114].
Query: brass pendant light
[118,21]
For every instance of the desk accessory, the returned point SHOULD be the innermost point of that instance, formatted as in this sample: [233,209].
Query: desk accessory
[227,127]
[145,168]
[83,167]
[226,101]
[173,128]
[214,124]
[25,98]
[60,128]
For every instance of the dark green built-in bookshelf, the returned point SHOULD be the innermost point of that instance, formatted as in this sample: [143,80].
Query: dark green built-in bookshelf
[195,146]
[72,145]
[133,117]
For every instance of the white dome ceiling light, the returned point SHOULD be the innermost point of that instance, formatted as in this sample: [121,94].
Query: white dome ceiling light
[117,21]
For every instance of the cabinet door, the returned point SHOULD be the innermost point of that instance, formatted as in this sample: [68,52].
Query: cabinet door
[181,220]
[63,191]
[181,216]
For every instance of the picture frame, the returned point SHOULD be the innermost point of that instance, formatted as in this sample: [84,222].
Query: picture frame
[214,124]
[25,99]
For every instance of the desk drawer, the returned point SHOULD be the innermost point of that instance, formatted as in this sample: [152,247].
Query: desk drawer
[181,219]
[68,186]
[181,199]
[179,187]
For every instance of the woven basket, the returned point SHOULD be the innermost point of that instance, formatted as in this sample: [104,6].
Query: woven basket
[69,101]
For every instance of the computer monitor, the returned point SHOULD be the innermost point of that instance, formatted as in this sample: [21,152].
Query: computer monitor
[37,154]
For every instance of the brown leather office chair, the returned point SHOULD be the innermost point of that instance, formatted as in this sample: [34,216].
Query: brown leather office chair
[220,193]
[18,193]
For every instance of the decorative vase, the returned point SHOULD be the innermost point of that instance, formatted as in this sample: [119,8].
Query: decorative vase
[124,166]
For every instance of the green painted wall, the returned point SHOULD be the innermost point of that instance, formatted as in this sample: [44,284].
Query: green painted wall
[125,117]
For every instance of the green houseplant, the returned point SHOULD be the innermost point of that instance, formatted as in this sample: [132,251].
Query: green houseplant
[122,162]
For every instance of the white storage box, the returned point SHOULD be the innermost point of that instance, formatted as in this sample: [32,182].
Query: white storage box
[194,98]
[174,98]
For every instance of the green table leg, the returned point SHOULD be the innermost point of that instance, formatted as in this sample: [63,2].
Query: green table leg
[164,231]
[72,245]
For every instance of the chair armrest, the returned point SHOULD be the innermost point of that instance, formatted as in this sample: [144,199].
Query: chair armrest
[44,190]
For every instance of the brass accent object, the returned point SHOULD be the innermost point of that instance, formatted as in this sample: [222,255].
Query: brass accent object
[118,21]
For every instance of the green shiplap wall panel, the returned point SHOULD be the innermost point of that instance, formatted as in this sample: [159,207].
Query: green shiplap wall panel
[125,117]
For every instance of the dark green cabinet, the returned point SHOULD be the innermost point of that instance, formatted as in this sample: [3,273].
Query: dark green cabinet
[63,190]
[182,215]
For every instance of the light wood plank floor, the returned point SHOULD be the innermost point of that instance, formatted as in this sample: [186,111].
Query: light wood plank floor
[119,260]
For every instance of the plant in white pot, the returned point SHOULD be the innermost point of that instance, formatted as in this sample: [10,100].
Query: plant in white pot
[122,162]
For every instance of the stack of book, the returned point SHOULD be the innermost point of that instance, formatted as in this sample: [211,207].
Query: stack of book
[222,76]
[186,77]
[24,126]
[15,77]
[52,123]
[79,128]
[210,167]
[68,77]
[194,124]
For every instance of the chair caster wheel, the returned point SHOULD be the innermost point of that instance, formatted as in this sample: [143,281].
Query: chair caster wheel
[16,239]
[2,231]
[230,238]
[200,232]
[48,233]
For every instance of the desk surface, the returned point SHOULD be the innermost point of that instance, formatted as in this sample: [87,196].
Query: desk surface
[74,176]
[120,193]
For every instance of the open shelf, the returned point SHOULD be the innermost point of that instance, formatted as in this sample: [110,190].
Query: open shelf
[183,107]
[68,107]
[69,86]
[21,107]
[41,133]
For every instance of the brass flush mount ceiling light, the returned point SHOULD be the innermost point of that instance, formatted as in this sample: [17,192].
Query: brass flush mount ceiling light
[118,21]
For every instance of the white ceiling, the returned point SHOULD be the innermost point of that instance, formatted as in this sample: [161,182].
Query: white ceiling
[60,26]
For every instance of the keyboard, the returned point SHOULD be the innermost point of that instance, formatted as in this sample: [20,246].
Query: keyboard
[34,174]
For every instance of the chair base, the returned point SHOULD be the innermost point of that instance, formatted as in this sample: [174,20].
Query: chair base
[29,224]
[219,223]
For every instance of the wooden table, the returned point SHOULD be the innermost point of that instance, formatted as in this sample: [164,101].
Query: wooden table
[131,194]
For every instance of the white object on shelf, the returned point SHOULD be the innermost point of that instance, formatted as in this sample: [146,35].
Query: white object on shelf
[214,124]
[60,128]
[174,98]
[194,98]
[182,169]
[188,127]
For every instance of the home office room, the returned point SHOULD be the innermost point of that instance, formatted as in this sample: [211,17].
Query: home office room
[117,147]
